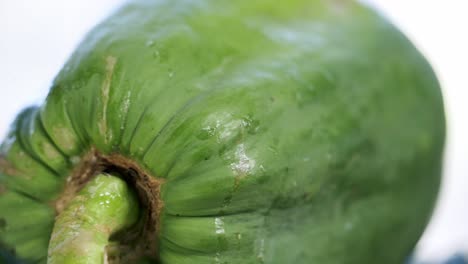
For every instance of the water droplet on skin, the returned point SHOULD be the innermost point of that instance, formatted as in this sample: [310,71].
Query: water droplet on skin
[124,109]
[150,43]
[156,55]
[75,160]
[261,250]
[219,225]
[171,73]
[216,259]
[220,234]
[238,238]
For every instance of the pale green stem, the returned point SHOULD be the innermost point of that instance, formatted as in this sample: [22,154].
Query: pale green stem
[81,232]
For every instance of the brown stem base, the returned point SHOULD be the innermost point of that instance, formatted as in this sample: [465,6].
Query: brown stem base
[140,241]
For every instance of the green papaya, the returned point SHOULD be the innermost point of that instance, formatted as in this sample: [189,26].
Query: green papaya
[247,131]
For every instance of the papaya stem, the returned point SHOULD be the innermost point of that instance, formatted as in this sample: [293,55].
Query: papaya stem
[81,232]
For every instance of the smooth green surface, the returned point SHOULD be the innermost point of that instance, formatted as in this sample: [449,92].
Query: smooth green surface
[82,231]
[299,131]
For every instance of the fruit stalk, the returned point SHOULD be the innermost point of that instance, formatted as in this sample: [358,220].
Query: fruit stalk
[82,231]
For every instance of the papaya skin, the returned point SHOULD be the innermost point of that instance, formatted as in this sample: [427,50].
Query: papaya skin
[300,131]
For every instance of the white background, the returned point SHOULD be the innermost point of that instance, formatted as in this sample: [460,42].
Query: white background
[36,37]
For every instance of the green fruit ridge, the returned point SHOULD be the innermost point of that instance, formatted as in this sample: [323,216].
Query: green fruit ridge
[258,131]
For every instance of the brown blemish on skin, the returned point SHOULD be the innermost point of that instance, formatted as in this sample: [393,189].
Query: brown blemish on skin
[7,168]
[141,239]
[105,90]
[104,229]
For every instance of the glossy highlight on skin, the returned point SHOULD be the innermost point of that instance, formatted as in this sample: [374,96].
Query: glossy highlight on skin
[301,131]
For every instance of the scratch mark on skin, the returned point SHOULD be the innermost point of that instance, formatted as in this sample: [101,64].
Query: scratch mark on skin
[105,89]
